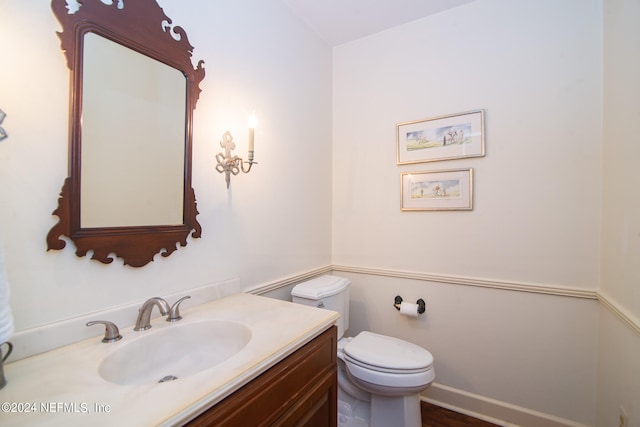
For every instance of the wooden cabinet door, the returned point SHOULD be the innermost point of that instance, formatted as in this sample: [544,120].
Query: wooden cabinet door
[301,390]
[316,408]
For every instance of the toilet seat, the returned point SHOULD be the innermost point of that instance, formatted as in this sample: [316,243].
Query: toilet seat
[389,362]
[387,354]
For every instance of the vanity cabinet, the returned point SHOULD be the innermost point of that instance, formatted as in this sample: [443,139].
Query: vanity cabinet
[301,390]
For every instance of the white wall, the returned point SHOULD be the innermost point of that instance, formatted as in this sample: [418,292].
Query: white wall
[535,67]
[619,346]
[621,204]
[258,56]
[537,192]
[618,371]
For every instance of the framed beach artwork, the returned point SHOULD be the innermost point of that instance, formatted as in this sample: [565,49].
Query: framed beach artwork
[444,190]
[449,137]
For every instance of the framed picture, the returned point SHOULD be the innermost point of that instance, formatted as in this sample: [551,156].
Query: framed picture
[441,138]
[444,190]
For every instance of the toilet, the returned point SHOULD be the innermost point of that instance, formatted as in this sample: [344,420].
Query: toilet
[379,377]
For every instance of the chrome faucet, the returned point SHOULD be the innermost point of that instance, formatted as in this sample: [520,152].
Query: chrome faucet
[144,314]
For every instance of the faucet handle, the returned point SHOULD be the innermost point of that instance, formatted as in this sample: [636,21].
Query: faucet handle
[174,311]
[111,332]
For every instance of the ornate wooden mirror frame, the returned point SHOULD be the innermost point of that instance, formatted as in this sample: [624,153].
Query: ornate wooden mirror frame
[142,26]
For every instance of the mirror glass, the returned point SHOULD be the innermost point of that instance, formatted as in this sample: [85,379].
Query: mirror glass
[133,138]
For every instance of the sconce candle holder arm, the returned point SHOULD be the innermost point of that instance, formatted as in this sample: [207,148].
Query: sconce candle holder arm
[228,164]
[4,135]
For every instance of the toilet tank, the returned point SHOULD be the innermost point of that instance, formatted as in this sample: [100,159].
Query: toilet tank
[330,292]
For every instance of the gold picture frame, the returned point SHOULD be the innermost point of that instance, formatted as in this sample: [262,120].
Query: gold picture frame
[444,190]
[453,136]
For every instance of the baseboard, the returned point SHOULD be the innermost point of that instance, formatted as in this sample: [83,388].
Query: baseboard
[491,410]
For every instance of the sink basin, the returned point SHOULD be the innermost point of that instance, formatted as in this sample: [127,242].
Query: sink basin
[173,352]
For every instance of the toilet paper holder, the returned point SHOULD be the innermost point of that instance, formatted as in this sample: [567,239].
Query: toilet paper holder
[420,302]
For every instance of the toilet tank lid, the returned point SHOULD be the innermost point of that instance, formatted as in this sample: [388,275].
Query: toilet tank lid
[320,287]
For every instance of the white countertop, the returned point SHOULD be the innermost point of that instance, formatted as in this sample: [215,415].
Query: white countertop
[63,386]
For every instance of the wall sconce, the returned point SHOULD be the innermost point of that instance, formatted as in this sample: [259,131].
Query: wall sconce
[3,134]
[229,164]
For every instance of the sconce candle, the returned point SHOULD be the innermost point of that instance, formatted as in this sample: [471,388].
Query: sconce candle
[252,127]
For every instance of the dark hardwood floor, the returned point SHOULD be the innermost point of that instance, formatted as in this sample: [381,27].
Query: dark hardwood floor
[435,416]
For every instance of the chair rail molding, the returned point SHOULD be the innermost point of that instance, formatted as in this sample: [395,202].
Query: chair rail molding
[473,281]
[595,294]
[620,312]
[281,283]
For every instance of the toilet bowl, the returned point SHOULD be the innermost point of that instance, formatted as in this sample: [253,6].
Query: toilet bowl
[379,377]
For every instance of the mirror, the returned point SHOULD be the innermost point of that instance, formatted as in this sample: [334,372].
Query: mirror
[132,105]
[133,92]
